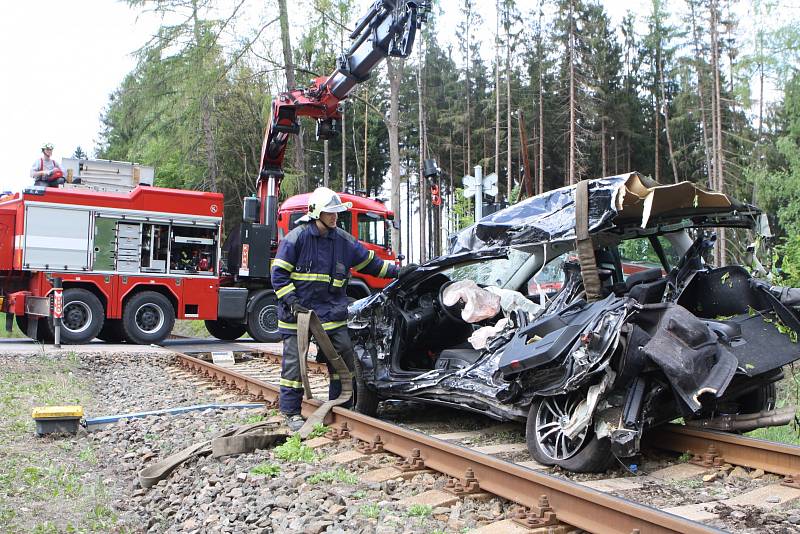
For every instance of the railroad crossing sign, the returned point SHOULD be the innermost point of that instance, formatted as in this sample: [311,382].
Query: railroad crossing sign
[488,184]
[478,185]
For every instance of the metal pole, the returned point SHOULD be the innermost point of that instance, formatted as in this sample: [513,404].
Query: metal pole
[478,193]
[58,310]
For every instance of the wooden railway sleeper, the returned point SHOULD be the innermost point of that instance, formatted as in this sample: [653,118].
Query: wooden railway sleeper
[793,481]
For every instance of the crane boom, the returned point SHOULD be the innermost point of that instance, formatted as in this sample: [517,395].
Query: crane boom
[387,29]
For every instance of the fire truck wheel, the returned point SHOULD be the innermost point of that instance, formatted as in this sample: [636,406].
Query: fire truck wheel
[148,318]
[224,330]
[262,321]
[83,316]
[111,331]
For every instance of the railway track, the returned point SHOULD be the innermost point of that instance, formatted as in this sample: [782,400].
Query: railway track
[545,500]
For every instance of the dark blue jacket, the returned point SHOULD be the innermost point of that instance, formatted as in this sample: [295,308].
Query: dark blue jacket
[312,270]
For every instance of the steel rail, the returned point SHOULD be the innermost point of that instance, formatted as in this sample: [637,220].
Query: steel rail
[573,504]
[735,449]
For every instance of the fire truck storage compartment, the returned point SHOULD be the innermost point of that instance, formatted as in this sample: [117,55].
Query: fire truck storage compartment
[7,221]
[56,238]
[129,239]
[193,249]
[232,303]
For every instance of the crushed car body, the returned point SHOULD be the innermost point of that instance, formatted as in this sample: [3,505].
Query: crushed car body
[620,347]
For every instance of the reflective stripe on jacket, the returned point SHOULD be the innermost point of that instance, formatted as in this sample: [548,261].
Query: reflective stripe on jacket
[313,270]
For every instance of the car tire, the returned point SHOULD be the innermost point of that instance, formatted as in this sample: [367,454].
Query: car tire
[224,330]
[262,321]
[82,319]
[148,318]
[111,331]
[585,454]
[365,400]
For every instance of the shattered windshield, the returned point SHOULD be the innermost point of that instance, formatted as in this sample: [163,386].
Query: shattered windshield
[490,272]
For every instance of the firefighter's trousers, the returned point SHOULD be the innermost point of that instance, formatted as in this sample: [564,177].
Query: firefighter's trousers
[291,394]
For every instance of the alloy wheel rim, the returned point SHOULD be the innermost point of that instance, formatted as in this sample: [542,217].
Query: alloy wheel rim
[552,417]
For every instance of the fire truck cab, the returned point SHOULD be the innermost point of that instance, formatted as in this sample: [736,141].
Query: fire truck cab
[369,221]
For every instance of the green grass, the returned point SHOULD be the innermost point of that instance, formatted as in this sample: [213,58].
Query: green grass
[267,469]
[295,451]
[39,476]
[339,475]
[685,457]
[252,419]
[420,510]
[15,331]
[319,430]
[191,328]
[370,511]
[782,434]
[359,494]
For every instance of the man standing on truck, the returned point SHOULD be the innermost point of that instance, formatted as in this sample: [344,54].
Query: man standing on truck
[310,272]
[45,171]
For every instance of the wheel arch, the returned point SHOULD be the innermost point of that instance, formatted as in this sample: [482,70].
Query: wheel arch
[92,288]
[253,296]
[155,288]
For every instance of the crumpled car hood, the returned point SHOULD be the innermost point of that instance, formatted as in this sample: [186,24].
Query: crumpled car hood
[624,201]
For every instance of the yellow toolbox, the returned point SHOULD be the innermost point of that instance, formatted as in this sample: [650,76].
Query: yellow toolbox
[57,419]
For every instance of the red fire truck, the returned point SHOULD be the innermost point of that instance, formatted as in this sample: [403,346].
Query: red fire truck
[132,262]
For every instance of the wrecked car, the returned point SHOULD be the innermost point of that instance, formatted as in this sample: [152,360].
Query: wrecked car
[625,344]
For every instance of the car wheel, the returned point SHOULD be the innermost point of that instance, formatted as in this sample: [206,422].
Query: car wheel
[43,333]
[111,331]
[365,400]
[548,444]
[262,321]
[82,319]
[148,317]
[227,331]
[760,399]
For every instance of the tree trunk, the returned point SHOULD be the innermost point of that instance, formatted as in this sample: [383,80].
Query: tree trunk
[497,100]
[656,117]
[509,173]
[572,114]
[395,73]
[344,152]
[700,83]
[603,156]
[424,243]
[299,160]
[205,109]
[665,104]
[719,155]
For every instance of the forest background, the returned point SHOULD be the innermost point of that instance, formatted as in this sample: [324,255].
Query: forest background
[700,90]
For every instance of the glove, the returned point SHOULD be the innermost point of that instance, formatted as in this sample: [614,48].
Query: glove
[297,308]
[407,269]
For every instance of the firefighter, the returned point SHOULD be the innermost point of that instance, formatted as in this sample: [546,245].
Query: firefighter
[310,272]
[45,171]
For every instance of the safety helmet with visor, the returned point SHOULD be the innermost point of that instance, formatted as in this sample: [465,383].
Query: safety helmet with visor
[324,200]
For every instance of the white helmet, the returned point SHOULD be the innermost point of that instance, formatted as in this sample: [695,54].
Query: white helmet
[325,200]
